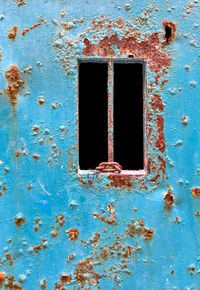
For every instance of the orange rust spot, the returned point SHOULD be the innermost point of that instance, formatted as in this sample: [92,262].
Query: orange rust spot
[29,186]
[12,33]
[2,277]
[65,279]
[197,213]
[9,259]
[20,2]
[36,157]
[172,26]
[169,198]
[41,101]
[172,272]
[60,220]
[72,234]
[110,221]
[138,228]
[17,154]
[195,192]
[110,208]
[13,77]
[19,221]
[130,250]
[32,27]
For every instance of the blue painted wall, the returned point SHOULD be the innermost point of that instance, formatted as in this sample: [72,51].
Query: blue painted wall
[63,229]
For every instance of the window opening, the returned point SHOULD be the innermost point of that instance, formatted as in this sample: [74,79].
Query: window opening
[168,33]
[128,115]
[93,114]
[111,132]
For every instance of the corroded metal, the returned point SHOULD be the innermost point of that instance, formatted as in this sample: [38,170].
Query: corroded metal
[62,227]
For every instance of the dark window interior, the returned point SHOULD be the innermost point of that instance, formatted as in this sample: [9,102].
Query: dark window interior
[128,115]
[93,103]
[168,33]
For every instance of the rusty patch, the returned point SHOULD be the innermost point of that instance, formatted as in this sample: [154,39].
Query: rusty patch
[13,77]
[160,143]
[24,31]
[20,2]
[147,50]
[19,221]
[72,234]
[10,283]
[108,220]
[169,198]
[2,277]
[36,157]
[40,247]
[65,279]
[138,228]
[85,273]
[195,192]
[120,181]
[170,29]
[9,259]
[12,33]
[157,103]
[60,220]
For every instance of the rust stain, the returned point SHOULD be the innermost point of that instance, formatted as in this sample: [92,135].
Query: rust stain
[60,220]
[2,277]
[65,279]
[157,103]
[120,181]
[160,143]
[169,198]
[195,192]
[72,234]
[19,221]
[24,31]
[13,77]
[9,259]
[11,284]
[36,157]
[197,213]
[138,228]
[148,49]
[169,25]
[40,247]
[12,33]
[108,220]
[20,2]
[85,273]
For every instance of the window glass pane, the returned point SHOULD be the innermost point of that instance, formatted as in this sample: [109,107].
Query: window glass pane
[93,102]
[128,115]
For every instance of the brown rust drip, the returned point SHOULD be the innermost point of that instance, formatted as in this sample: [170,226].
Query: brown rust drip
[13,77]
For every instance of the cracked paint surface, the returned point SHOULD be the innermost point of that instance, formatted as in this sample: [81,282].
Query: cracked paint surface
[66,229]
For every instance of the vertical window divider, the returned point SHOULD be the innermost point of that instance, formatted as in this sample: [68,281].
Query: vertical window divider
[110,112]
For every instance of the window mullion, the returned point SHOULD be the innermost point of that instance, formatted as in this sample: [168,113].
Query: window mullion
[110,113]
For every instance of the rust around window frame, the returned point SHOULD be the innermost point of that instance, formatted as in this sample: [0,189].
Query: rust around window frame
[110,62]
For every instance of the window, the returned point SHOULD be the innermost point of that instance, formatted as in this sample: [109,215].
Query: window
[111,114]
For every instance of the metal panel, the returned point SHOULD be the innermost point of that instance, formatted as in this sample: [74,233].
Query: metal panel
[64,228]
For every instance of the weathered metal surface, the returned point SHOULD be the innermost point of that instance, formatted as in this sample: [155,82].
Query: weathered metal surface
[62,228]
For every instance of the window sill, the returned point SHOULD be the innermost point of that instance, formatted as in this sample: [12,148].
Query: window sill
[127,173]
